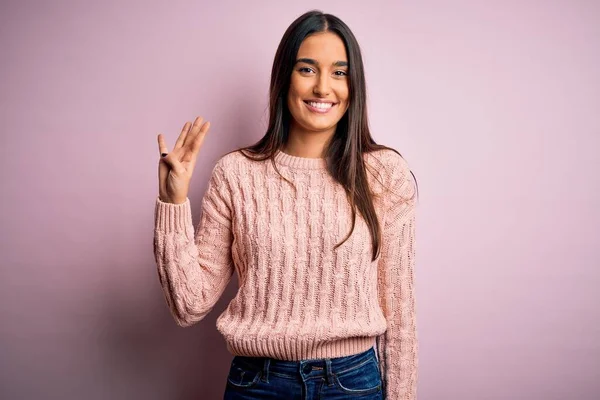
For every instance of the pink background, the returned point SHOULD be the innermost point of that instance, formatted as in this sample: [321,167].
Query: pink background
[494,104]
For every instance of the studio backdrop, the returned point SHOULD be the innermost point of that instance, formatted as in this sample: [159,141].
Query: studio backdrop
[494,104]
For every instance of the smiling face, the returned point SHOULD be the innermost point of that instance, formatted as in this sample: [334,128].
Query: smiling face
[319,87]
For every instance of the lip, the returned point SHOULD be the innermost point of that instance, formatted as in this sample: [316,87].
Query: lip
[321,101]
[318,110]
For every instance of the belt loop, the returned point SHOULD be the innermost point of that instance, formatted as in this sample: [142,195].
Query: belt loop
[265,377]
[329,371]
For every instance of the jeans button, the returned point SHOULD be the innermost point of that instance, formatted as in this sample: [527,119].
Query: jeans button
[307,369]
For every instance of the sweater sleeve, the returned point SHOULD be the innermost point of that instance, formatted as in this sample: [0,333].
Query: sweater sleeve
[194,268]
[397,347]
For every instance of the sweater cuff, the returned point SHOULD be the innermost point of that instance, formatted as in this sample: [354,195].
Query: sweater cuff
[169,217]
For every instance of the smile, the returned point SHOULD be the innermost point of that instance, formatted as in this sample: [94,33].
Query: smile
[318,107]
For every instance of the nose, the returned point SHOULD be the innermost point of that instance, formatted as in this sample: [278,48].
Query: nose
[322,85]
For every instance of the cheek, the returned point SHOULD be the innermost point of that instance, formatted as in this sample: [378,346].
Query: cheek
[292,101]
[293,96]
[299,87]
[345,102]
[343,92]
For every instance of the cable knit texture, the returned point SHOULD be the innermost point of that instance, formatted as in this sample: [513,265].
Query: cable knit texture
[298,298]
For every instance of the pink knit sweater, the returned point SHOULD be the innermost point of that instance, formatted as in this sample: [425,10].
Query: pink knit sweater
[298,298]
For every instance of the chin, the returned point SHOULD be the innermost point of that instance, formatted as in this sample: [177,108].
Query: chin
[319,127]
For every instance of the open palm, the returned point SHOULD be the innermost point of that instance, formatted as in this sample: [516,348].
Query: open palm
[176,168]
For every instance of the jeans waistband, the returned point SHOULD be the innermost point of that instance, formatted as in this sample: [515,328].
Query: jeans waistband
[313,368]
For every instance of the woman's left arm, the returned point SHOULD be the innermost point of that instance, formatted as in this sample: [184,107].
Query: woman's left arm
[398,346]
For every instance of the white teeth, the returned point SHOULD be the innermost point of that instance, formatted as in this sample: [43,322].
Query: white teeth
[320,105]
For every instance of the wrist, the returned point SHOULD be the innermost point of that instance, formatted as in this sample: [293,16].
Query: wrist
[172,201]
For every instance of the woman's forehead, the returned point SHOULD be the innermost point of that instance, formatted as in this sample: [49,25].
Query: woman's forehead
[323,47]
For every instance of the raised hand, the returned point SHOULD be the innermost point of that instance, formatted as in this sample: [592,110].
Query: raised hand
[175,168]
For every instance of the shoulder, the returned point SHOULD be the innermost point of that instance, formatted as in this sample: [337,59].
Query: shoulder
[222,172]
[389,165]
[388,159]
[393,171]
[230,164]
[235,170]
[230,160]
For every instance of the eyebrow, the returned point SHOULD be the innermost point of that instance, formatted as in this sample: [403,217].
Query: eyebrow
[315,62]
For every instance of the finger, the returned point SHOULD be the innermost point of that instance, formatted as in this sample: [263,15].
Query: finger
[182,135]
[194,146]
[200,137]
[193,131]
[193,155]
[163,172]
[162,146]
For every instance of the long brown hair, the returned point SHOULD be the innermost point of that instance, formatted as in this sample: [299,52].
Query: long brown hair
[352,137]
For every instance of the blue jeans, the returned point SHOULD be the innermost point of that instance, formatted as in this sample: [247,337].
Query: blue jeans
[352,377]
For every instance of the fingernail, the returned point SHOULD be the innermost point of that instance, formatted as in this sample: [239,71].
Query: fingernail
[163,154]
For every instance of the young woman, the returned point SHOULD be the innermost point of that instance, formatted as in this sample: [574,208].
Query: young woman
[318,222]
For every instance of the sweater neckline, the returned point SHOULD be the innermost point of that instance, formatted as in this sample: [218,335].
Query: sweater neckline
[300,162]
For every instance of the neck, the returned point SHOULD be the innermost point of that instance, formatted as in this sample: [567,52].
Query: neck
[307,144]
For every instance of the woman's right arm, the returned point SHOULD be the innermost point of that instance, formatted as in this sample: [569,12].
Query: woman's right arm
[193,267]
